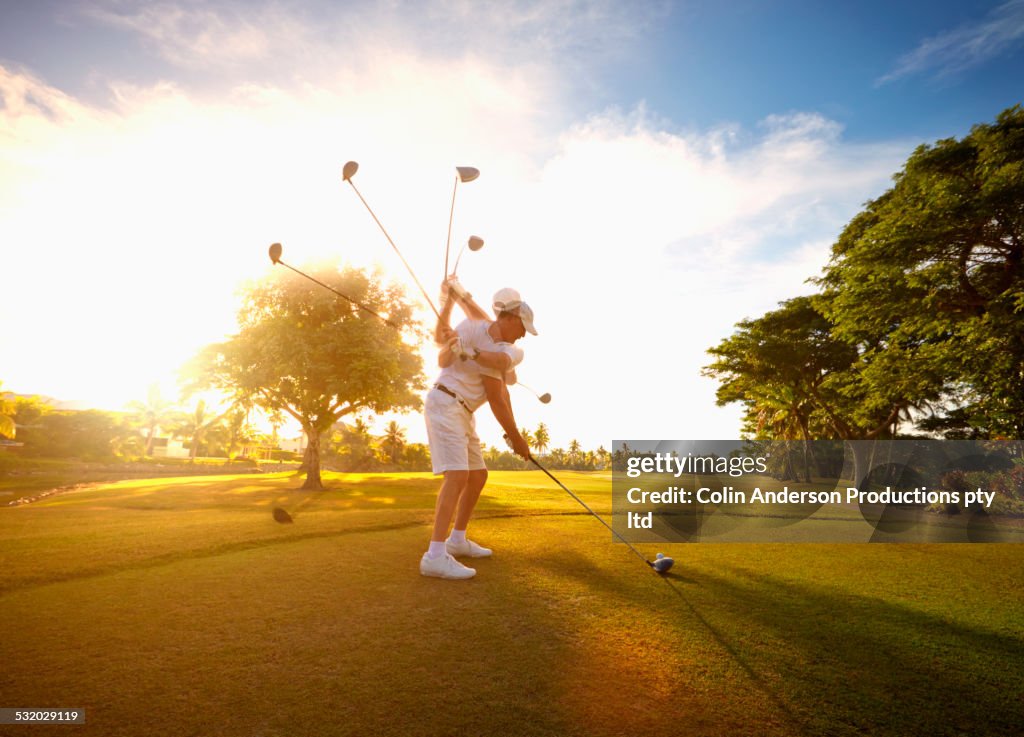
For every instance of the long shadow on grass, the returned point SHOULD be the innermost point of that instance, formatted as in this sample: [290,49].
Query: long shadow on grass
[655,595]
[838,663]
[229,548]
[851,664]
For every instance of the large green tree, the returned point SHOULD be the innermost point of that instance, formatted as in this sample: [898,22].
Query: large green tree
[777,365]
[303,351]
[929,281]
[798,380]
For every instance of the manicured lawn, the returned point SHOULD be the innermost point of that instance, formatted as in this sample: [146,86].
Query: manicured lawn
[178,607]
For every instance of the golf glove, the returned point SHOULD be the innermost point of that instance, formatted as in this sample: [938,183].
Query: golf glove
[456,347]
[456,288]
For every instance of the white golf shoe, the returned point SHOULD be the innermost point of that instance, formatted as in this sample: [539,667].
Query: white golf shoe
[467,549]
[444,566]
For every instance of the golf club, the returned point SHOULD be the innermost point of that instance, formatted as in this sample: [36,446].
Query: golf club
[347,172]
[475,243]
[281,516]
[661,564]
[275,256]
[545,398]
[462,174]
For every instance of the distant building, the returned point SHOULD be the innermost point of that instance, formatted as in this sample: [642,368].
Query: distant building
[169,448]
[295,445]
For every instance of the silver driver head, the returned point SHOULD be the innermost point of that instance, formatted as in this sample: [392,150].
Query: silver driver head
[275,252]
[349,170]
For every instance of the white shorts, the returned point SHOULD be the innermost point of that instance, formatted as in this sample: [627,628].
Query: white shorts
[451,432]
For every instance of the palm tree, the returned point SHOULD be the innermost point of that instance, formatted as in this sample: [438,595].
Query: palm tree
[196,424]
[394,441]
[240,432]
[151,413]
[575,453]
[541,438]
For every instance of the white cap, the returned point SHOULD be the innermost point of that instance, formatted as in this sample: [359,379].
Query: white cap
[526,315]
[506,299]
[509,300]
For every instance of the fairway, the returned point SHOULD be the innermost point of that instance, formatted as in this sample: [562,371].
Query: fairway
[179,607]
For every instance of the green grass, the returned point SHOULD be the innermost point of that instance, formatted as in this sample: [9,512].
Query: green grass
[25,478]
[177,606]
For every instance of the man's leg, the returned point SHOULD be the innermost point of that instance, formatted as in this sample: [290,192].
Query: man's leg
[469,497]
[458,544]
[447,500]
[437,561]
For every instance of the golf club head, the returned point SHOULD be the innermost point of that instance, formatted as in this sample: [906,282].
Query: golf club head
[475,243]
[545,398]
[662,564]
[349,170]
[275,252]
[466,173]
[282,516]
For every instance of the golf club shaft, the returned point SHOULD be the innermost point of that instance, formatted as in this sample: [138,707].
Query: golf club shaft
[325,286]
[457,259]
[584,505]
[532,391]
[451,216]
[385,232]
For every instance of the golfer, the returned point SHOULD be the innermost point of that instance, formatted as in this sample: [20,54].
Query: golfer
[477,360]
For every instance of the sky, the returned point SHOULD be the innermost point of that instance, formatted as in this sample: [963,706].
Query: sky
[651,173]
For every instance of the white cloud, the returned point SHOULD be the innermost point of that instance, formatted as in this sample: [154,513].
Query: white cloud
[257,37]
[198,35]
[965,47]
[643,247]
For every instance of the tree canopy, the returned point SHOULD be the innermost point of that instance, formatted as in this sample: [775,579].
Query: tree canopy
[302,351]
[921,314]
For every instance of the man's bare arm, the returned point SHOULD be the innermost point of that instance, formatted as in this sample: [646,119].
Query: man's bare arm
[501,406]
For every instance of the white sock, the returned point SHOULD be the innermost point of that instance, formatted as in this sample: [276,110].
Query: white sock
[436,549]
[458,536]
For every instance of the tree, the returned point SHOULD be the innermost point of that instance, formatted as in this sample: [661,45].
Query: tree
[151,413]
[303,351]
[575,453]
[780,367]
[394,441]
[929,280]
[541,439]
[415,457]
[920,315]
[238,430]
[195,425]
[87,434]
[7,427]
